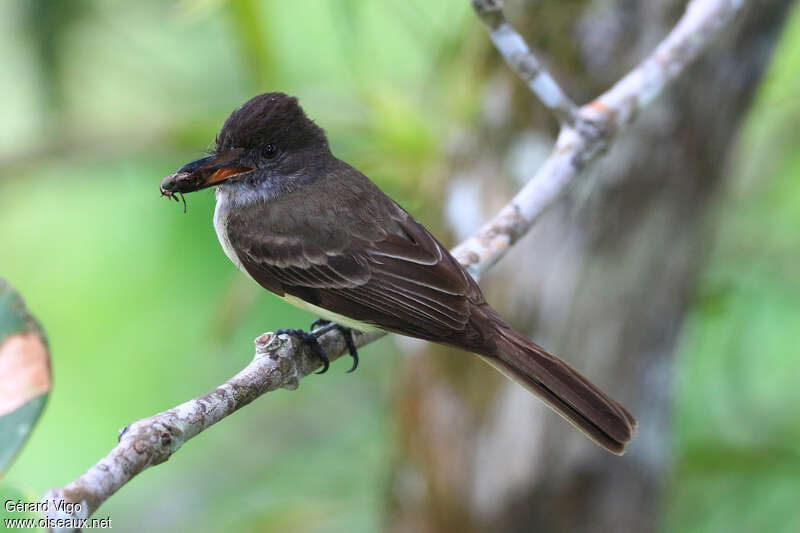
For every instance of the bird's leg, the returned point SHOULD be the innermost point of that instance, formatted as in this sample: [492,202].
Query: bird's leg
[321,326]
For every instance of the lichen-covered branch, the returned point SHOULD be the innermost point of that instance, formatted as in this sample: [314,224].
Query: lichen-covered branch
[280,362]
[595,126]
[702,20]
[521,58]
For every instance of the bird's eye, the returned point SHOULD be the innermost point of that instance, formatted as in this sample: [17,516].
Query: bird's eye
[270,151]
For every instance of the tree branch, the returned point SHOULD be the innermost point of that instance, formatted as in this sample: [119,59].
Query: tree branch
[519,57]
[594,127]
[280,361]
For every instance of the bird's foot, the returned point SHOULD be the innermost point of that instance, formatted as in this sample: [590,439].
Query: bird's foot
[321,326]
[310,340]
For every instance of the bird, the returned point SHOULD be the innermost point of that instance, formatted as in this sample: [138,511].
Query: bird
[319,234]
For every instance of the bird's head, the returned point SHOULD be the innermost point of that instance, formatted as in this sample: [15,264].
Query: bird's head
[268,136]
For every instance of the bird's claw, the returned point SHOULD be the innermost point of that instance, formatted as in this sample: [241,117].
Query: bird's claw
[310,340]
[326,325]
[319,328]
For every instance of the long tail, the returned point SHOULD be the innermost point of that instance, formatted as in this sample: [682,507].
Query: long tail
[561,387]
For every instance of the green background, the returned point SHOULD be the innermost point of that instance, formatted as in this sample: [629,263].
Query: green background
[100,100]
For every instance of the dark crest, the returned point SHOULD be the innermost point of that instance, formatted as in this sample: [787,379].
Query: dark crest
[270,118]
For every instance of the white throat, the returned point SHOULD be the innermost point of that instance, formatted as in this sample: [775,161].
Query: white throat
[226,201]
[231,196]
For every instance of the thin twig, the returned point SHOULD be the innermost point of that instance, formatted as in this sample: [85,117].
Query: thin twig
[280,362]
[596,124]
[521,58]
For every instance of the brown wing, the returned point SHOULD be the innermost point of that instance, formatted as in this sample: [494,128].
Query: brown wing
[374,264]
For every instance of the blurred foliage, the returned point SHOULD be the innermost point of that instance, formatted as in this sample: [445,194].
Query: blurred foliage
[48,24]
[736,379]
[143,310]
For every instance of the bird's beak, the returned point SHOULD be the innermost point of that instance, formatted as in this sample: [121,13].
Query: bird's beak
[211,170]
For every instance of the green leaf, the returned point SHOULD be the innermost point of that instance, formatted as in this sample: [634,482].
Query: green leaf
[25,376]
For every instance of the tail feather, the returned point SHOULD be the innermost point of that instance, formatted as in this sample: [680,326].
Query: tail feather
[565,390]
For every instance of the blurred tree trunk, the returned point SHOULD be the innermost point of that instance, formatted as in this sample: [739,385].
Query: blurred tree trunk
[604,279]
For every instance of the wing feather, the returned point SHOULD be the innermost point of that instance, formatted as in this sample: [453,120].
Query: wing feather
[397,276]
